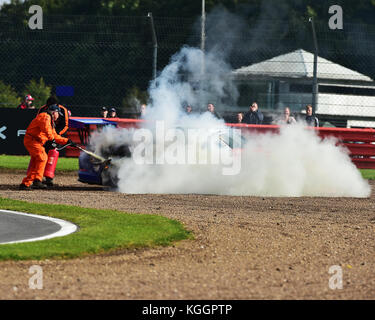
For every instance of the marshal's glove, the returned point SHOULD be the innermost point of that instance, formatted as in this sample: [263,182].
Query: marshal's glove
[49,145]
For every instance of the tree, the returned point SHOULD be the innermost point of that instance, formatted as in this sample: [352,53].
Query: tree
[38,90]
[8,96]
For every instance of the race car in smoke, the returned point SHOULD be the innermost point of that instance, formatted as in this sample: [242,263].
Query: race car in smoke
[101,168]
[93,170]
[96,168]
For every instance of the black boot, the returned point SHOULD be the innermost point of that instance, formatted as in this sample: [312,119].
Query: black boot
[38,185]
[48,182]
[24,187]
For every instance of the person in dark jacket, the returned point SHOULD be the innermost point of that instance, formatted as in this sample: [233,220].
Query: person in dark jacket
[112,113]
[253,116]
[211,108]
[310,119]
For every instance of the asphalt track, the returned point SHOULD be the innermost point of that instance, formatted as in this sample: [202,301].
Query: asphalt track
[18,227]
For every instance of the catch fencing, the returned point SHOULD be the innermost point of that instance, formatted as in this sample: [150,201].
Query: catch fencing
[96,61]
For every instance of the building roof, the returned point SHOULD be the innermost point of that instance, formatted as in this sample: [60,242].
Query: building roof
[299,64]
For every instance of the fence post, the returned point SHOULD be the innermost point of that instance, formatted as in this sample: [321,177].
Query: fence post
[203,49]
[315,71]
[155,44]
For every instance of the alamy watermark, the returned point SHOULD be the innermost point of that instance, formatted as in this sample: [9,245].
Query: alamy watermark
[36,20]
[36,280]
[335,281]
[336,21]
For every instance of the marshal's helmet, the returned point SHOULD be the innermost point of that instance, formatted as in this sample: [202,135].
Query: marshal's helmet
[55,107]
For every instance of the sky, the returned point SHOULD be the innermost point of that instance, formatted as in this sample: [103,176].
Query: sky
[4,1]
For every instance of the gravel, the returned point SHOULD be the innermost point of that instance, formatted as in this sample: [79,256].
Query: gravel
[244,248]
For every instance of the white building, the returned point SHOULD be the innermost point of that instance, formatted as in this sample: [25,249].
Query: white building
[286,80]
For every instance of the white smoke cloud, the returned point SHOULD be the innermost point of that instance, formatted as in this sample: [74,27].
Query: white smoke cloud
[294,163]
[190,78]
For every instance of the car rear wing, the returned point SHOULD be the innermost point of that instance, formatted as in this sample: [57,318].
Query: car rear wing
[84,126]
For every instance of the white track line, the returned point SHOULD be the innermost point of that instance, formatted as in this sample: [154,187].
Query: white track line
[66,227]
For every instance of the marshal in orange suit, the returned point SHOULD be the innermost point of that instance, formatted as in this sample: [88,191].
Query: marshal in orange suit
[61,126]
[40,130]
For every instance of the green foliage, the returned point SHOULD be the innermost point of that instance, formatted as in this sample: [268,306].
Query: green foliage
[310,12]
[38,90]
[22,162]
[8,96]
[99,231]
[368,174]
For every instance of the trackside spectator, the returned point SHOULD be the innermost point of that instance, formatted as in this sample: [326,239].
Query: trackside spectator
[310,119]
[189,109]
[286,118]
[103,112]
[253,116]
[112,113]
[239,117]
[27,103]
[143,110]
[211,109]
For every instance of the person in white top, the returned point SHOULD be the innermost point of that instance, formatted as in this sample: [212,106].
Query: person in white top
[286,118]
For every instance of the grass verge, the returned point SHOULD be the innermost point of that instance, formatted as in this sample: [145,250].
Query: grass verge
[71,164]
[22,162]
[368,174]
[99,231]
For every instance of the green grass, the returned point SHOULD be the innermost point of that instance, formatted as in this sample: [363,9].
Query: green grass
[99,231]
[368,174]
[71,164]
[22,162]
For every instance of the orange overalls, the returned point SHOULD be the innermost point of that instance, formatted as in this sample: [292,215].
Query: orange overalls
[37,134]
[62,124]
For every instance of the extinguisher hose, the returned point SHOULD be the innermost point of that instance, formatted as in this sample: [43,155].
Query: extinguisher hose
[84,150]
[63,147]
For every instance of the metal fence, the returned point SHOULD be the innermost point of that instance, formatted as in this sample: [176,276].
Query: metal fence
[100,59]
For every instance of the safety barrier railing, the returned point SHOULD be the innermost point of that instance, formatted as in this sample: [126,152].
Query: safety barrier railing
[359,142]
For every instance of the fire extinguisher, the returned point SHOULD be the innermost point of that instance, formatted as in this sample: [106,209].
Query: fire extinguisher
[53,156]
